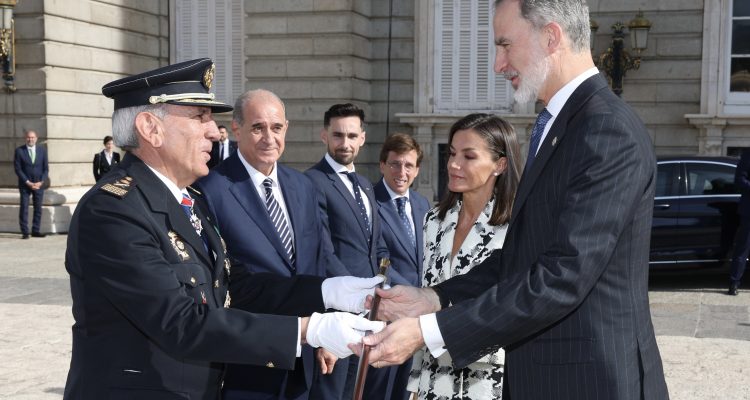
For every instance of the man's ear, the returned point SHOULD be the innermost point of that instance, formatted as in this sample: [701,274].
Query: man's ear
[553,33]
[364,136]
[149,129]
[324,135]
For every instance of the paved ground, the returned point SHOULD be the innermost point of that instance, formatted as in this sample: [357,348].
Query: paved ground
[704,335]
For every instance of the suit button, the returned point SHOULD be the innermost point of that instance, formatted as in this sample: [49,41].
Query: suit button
[270,365]
[192,280]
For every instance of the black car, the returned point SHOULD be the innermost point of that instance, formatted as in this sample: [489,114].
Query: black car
[695,213]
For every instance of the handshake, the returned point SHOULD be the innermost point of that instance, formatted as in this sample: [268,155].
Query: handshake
[335,331]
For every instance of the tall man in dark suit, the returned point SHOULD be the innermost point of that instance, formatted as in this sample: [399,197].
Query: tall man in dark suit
[742,238]
[402,212]
[222,148]
[347,206]
[150,307]
[568,295]
[30,162]
[268,215]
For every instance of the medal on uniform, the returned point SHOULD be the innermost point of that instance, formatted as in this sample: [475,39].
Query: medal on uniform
[196,222]
[178,245]
[227,300]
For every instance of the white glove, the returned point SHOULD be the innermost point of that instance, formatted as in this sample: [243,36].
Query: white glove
[334,331]
[348,293]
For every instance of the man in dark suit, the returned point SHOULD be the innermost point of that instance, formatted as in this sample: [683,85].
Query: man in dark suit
[742,238]
[288,239]
[150,307]
[567,297]
[105,159]
[401,212]
[347,206]
[222,148]
[30,162]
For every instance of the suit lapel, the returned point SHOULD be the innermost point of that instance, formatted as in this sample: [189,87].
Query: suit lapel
[348,197]
[417,214]
[215,245]
[554,137]
[160,200]
[388,211]
[293,207]
[247,196]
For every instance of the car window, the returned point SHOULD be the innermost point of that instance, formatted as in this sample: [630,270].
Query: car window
[710,179]
[667,179]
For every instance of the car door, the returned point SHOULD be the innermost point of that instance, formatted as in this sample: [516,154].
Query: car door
[708,213]
[666,209]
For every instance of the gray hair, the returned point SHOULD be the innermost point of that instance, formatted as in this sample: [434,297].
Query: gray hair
[238,113]
[123,123]
[572,15]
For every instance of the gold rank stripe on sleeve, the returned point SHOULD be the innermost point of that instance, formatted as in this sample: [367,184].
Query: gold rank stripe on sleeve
[119,188]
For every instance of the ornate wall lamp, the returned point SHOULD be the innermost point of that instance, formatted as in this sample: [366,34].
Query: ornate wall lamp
[8,44]
[615,61]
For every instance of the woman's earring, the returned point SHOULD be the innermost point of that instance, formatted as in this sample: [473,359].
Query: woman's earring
[497,174]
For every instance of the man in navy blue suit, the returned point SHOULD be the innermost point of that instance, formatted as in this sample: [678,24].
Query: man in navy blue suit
[742,239]
[280,233]
[567,297]
[30,162]
[402,212]
[347,205]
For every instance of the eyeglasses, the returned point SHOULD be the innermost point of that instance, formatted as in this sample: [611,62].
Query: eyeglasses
[396,166]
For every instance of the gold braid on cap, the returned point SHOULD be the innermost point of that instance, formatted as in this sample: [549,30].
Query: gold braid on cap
[163,98]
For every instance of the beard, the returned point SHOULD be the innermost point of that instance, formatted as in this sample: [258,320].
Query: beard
[341,157]
[532,81]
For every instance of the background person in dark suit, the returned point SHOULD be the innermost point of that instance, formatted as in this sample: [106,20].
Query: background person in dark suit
[235,193]
[150,307]
[567,297]
[401,212]
[742,238]
[105,159]
[222,148]
[30,163]
[349,213]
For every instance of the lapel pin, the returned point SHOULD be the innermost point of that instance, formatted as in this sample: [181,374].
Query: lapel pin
[554,141]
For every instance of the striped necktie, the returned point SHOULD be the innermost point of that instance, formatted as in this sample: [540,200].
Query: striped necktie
[279,220]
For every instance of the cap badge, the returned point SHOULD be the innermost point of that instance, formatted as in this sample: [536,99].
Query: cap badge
[208,76]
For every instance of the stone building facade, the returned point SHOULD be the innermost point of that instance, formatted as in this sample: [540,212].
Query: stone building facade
[396,63]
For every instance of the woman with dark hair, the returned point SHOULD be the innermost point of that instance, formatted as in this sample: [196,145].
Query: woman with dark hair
[105,159]
[468,224]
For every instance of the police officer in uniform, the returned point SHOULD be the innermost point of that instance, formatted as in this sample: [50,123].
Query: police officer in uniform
[149,272]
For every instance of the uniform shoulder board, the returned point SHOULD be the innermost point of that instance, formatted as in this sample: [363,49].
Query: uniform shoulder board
[194,190]
[120,187]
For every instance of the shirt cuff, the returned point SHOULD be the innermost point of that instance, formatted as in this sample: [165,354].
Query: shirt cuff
[431,335]
[299,333]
